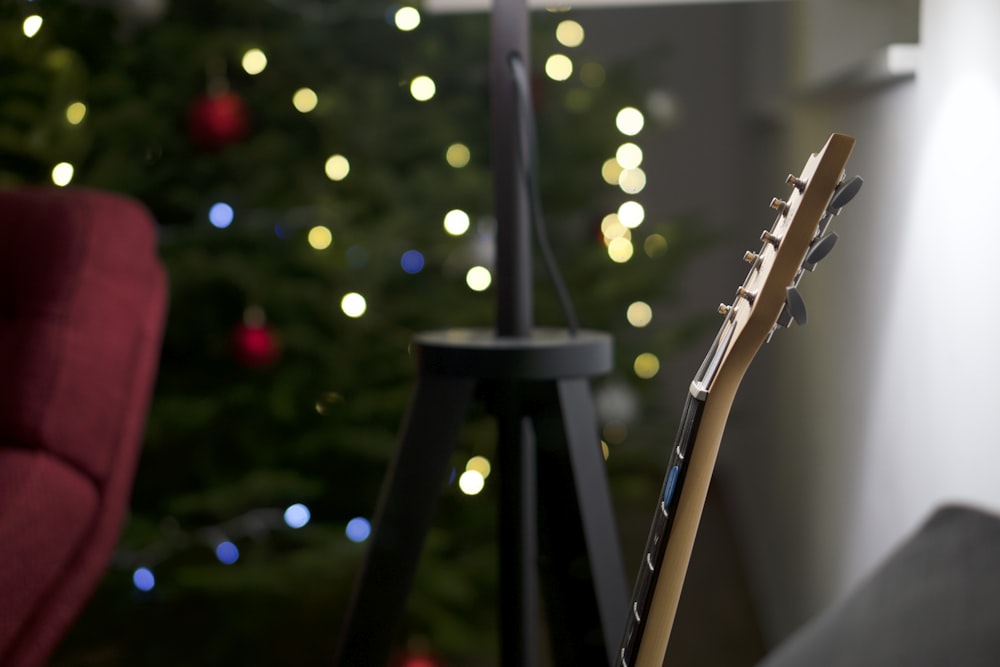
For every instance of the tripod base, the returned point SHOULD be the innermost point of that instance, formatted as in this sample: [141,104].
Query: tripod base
[562,532]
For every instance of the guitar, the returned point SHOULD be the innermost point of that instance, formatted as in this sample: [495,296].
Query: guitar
[767,300]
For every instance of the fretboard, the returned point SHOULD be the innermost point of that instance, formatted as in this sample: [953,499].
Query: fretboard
[659,532]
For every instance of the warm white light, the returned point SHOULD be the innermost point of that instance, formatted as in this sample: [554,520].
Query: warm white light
[646,365]
[620,249]
[76,112]
[610,171]
[558,67]
[62,174]
[32,25]
[569,33]
[422,88]
[407,18]
[632,181]
[337,167]
[471,482]
[458,155]
[254,61]
[655,245]
[479,464]
[612,227]
[629,121]
[320,237]
[353,304]
[639,314]
[478,278]
[305,100]
[456,222]
[631,213]
[629,155]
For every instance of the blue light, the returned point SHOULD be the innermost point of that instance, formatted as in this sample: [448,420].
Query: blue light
[358,529]
[143,579]
[220,215]
[412,261]
[227,552]
[451,478]
[297,515]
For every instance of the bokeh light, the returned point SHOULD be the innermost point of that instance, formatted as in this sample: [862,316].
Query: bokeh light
[629,121]
[655,245]
[31,25]
[407,18]
[631,213]
[353,304]
[62,174]
[422,88]
[76,112]
[629,155]
[478,278]
[358,529]
[143,579]
[456,222]
[639,314]
[254,61]
[412,261]
[620,249]
[569,33]
[632,181]
[320,237]
[221,215]
[305,100]
[610,171]
[227,552]
[558,67]
[297,515]
[646,365]
[471,482]
[480,464]
[337,167]
[458,155]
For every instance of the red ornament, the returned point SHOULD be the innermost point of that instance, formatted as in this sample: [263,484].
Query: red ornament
[217,120]
[256,345]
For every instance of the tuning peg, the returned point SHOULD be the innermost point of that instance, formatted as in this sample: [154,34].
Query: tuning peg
[744,293]
[795,306]
[779,205]
[751,257]
[818,250]
[845,193]
[795,181]
[724,309]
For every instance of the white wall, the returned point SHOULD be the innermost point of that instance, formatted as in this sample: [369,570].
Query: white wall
[885,405]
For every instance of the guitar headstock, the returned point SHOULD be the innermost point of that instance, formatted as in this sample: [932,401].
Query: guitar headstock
[769,298]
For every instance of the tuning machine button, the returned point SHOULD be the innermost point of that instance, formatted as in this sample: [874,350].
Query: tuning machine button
[752,258]
[795,181]
[818,250]
[767,237]
[779,205]
[724,309]
[794,309]
[845,192]
[744,293]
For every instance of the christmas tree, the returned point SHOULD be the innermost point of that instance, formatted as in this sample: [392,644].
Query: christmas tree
[320,174]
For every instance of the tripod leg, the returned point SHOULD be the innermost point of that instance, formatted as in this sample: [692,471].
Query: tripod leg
[518,526]
[583,575]
[405,510]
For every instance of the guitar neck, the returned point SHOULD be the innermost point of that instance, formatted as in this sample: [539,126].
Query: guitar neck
[675,523]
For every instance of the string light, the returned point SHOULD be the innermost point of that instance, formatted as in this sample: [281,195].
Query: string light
[407,18]
[655,245]
[320,237]
[471,482]
[254,61]
[297,515]
[31,25]
[478,278]
[639,314]
[457,155]
[612,228]
[353,305]
[305,100]
[358,529]
[221,215]
[76,112]
[412,261]
[629,155]
[569,33]
[479,464]
[558,67]
[632,181]
[422,88]
[629,121]
[227,552]
[611,170]
[456,222]
[337,167]
[646,365]
[143,579]
[62,174]
[620,250]
[631,213]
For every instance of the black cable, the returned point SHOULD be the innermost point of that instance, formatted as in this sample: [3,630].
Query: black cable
[528,161]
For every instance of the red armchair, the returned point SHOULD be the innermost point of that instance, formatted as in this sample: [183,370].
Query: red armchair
[82,309]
